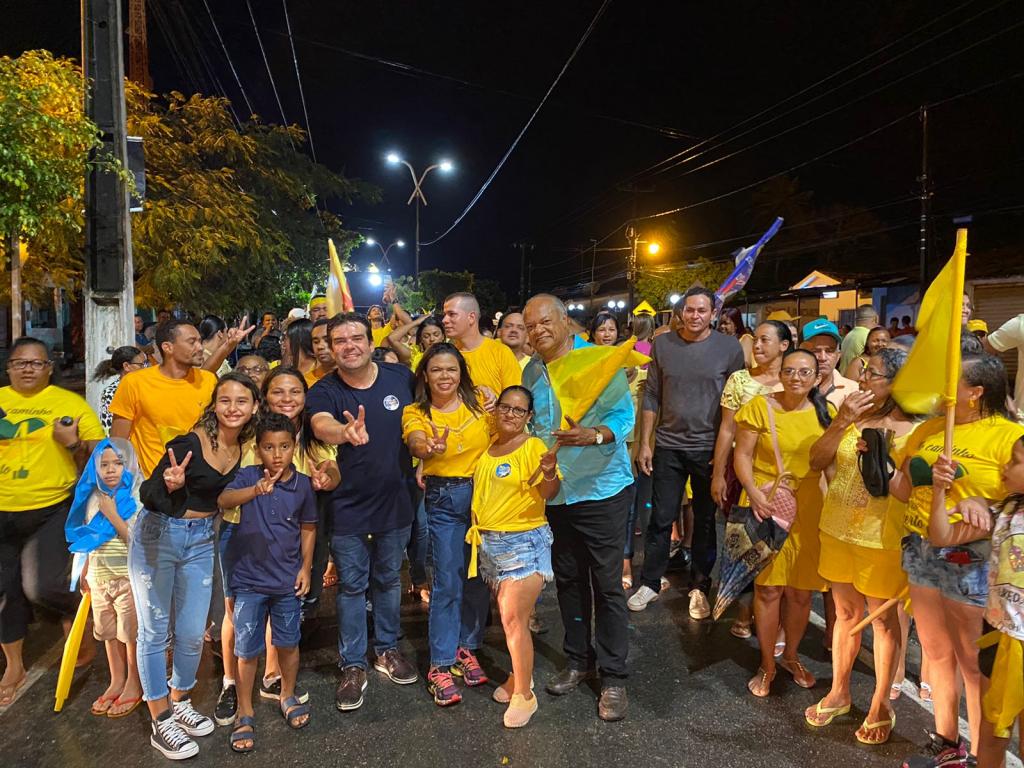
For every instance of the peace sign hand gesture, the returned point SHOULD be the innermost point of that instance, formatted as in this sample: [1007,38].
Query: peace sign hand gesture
[319,478]
[236,335]
[355,428]
[266,486]
[174,475]
[438,443]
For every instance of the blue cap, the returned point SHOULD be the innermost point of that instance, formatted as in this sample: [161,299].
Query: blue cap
[821,327]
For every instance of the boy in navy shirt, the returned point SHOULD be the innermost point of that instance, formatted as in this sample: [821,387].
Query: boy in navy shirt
[272,553]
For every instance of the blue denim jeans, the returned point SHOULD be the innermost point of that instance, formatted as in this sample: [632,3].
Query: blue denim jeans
[458,607]
[170,563]
[419,545]
[368,561]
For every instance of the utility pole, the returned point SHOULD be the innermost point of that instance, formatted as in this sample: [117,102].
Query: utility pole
[138,45]
[17,302]
[925,206]
[632,235]
[523,248]
[109,295]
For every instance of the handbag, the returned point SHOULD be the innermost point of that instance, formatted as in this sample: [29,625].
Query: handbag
[780,493]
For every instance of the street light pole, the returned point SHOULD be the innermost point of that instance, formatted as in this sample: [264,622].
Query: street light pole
[417,195]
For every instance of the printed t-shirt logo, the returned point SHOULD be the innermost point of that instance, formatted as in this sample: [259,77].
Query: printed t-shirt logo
[503,470]
[391,403]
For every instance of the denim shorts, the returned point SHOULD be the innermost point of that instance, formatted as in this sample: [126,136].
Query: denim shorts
[959,573]
[224,535]
[515,554]
[251,611]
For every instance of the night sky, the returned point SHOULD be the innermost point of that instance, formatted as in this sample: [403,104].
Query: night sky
[459,79]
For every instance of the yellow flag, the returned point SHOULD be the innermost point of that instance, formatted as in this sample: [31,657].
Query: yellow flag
[929,377]
[580,377]
[339,298]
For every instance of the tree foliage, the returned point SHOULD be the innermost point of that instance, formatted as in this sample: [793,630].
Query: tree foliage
[655,285]
[435,284]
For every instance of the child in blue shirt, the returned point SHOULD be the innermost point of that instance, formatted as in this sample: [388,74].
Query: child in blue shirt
[272,554]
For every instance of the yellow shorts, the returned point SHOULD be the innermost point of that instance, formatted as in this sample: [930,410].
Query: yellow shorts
[872,572]
[1003,702]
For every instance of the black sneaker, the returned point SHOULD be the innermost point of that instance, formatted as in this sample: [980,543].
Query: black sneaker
[349,694]
[170,740]
[190,721]
[939,753]
[273,691]
[227,706]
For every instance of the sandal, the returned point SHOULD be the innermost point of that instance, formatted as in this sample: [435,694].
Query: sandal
[819,716]
[760,684]
[885,727]
[801,676]
[740,629]
[627,583]
[101,711]
[926,692]
[8,692]
[291,710]
[238,735]
[133,703]
[780,644]
[895,691]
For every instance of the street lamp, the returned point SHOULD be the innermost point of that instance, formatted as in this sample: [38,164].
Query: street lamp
[653,248]
[398,243]
[620,304]
[611,303]
[375,278]
[443,165]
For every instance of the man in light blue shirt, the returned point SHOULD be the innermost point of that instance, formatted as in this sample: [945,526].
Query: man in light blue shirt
[588,517]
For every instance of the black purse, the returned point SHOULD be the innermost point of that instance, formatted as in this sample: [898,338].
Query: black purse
[876,465]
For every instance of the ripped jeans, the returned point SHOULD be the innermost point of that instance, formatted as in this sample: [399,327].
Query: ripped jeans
[170,562]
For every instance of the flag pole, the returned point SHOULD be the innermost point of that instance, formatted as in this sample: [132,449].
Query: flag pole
[952,354]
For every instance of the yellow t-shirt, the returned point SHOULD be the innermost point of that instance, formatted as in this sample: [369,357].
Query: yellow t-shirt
[35,470]
[503,499]
[493,365]
[160,409]
[380,334]
[312,377]
[301,461]
[523,362]
[982,449]
[797,431]
[468,438]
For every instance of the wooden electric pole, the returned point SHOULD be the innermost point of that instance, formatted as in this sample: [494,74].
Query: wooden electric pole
[138,45]
[108,296]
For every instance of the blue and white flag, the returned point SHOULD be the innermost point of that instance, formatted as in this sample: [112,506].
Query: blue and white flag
[745,258]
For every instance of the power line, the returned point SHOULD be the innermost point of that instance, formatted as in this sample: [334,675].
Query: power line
[501,163]
[298,78]
[227,55]
[266,62]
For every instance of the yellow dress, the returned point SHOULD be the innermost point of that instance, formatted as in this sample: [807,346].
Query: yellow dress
[860,533]
[796,564]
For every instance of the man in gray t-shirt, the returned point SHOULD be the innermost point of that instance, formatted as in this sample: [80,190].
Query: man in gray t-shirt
[685,380]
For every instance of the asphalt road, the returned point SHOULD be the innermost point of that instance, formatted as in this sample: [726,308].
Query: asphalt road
[688,707]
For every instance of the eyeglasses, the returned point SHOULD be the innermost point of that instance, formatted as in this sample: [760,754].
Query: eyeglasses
[143,364]
[799,373]
[21,365]
[506,409]
[869,374]
[249,371]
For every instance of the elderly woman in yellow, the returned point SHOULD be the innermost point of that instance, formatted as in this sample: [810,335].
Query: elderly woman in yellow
[448,430]
[772,340]
[513,479]
[793,420]
[948,585]
[860,544]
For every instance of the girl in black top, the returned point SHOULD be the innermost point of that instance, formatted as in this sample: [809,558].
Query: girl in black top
[171,555]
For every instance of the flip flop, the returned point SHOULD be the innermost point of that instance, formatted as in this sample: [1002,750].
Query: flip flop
[895,691]
[8,692]
[627,583]
[926,692]
[134,702]
[813,715]
[108,700]
[866,728]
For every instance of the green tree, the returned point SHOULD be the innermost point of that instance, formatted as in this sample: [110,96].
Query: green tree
[45,145]
[435,284]
[656,284]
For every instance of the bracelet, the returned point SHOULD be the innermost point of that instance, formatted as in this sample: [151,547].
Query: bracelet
[553,476]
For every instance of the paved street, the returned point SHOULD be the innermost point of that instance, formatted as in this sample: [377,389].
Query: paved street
[688,707]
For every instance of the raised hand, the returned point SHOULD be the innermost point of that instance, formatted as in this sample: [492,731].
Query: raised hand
[320,479]
[266,485]
[575,435]
[174,475]
[854,406]
[549,465]
[237,334]
[943,473]
[355,427]
[490,399]
[437,443]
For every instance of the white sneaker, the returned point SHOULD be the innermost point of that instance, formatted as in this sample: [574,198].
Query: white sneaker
[190,721]
[699,607]
[641,598]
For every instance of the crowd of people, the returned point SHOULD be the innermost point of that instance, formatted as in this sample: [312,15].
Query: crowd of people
[236,473]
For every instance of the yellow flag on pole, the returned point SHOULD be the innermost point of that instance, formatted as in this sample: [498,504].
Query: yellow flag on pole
[929,378]
[580,377]
[339,298]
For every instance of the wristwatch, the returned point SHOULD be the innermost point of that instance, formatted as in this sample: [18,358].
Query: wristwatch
[598,437]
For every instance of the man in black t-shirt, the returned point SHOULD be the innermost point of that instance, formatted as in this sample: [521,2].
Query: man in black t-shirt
[359,409]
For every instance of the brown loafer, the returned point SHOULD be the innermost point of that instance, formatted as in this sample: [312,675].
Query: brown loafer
[567,681]
[612,705]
